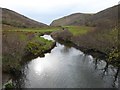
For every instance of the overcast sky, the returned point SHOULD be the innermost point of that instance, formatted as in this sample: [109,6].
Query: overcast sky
[47,10]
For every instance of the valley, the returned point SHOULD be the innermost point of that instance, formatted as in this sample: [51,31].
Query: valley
[91,34]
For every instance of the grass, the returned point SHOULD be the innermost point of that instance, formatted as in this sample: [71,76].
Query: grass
[78,30]
[23,37]
[42,30]
[18,43]
[38,45]
[104,41]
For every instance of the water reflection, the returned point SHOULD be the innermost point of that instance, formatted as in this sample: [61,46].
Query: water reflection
[38,67]
[107,71]
[48,37]
[67,67]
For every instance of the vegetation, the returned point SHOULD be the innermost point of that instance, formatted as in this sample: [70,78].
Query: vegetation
[12,18]
[9,85]
[97,33]
[92,41]
[35,30]
[114,57]
[38,46]
[20,43]
[78,30]
[73,19]
[106,18]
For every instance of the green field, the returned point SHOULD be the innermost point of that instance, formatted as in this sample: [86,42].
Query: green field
[42,30]
[78,30]
[75,30]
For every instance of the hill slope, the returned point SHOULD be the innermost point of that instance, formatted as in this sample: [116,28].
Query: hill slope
[73,19]
[107,17]
[15,19]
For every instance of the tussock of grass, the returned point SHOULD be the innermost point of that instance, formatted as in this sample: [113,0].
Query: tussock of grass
[38,46]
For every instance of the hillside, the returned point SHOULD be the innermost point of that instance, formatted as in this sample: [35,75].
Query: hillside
[102,38]
[15,19]
[73,19]
[107,17]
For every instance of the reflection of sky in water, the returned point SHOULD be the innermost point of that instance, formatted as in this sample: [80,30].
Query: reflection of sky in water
[66,67]
[47,37]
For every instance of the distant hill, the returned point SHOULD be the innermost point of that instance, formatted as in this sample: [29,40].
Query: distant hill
[105,18]
[15,19]
[73,19]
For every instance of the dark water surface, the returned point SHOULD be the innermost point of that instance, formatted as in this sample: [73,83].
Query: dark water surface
[67,67]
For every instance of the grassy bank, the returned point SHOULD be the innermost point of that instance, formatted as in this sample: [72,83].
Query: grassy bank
[100,43]
[19,43]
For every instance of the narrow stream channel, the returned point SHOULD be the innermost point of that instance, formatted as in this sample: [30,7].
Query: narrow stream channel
[67,67]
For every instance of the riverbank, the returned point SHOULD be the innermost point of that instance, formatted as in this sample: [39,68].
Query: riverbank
[101,44]
[19,47]
[65,62]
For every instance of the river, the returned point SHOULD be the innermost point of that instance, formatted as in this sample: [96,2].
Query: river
[67,67]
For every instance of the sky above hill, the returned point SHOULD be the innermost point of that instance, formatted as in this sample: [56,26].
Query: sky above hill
[48,10]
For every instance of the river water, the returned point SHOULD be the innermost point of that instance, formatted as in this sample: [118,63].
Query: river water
[67,67]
